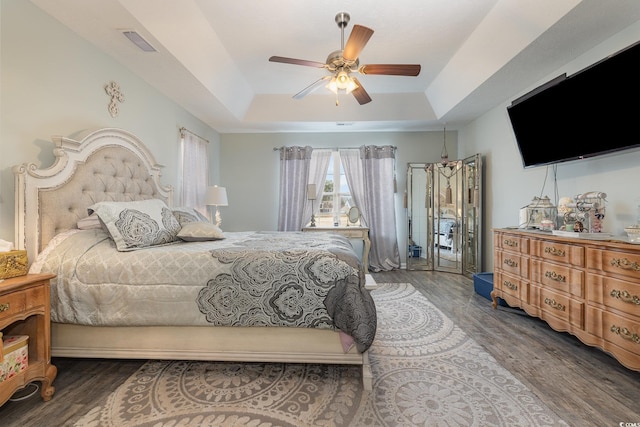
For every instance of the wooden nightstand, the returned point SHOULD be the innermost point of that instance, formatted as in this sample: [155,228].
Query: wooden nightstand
[25,310]
[351,232]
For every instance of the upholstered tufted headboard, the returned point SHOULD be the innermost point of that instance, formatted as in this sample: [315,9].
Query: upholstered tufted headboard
[108,164]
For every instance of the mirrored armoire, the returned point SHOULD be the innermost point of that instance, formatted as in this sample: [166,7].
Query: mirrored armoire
[444,216]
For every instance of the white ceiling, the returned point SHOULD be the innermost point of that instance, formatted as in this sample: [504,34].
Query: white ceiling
[212,55]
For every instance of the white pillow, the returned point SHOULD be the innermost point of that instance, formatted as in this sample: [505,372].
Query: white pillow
[199,231]
[138,224]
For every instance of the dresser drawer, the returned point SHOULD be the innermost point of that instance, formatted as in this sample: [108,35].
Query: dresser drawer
[621,331]
[559,277]
[614,262]
[511,243]
[619,294]
[517,265]
[558,252]
[512,285]
[562,307]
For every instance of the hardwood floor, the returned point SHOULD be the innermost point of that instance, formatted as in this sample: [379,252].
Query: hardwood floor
[583,385]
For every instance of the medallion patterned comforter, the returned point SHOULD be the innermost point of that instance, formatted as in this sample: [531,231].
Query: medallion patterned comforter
[266,279]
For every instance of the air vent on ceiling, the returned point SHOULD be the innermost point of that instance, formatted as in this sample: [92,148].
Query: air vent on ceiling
[138,40]
[344,124]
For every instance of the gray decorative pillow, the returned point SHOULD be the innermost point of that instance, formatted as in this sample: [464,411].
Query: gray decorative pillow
[185,215]
[138,224]
[199,231]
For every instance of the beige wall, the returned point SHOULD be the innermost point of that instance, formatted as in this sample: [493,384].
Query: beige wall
[250,170]
[52,83]
[508,186]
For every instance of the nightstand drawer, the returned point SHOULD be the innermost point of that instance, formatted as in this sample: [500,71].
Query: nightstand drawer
[22,301]
[12,304]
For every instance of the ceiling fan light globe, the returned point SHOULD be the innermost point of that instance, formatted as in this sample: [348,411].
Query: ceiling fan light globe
[333,85]
[351,86]
[342,79]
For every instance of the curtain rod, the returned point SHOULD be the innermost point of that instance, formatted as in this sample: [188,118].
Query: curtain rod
[183,129]
[334,148]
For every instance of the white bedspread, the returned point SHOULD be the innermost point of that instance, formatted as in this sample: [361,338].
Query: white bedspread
[247,279]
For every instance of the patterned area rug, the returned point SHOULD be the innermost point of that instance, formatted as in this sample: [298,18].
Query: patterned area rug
[426,372]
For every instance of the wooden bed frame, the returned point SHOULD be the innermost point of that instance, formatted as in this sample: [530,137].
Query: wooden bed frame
[113,164]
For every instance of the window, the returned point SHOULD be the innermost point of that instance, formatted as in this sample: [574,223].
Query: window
[336,197]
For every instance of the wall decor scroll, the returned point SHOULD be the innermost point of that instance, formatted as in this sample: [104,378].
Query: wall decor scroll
[113,90]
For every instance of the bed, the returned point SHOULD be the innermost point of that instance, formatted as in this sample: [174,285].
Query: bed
[185,290]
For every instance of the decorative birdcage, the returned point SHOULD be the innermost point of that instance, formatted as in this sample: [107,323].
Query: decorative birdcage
[540,209]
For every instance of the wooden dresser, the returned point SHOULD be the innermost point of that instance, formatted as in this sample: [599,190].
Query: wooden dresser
[25,310]
[588,288]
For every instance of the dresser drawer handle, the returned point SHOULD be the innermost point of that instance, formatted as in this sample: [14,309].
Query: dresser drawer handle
[625,296]
[511,243]
[510,262]
[510,285]
[555,276]
[4,307]
[625,264]
[626,334]
[553,304]
[554,251]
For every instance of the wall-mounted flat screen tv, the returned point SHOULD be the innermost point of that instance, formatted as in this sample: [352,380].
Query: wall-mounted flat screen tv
[592,112]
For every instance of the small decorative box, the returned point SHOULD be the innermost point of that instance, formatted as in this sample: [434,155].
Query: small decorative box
[14,357]
[13,264]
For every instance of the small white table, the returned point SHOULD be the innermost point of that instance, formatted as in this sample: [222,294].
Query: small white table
[350,232]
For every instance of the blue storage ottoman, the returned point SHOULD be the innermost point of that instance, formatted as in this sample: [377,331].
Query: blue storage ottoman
[483,285]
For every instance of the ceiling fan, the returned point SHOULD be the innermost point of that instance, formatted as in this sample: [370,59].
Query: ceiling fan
[341,63]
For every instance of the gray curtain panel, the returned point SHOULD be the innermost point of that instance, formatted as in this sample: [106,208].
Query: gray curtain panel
[294,175]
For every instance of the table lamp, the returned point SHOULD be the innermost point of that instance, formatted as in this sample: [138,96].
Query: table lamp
[216,196]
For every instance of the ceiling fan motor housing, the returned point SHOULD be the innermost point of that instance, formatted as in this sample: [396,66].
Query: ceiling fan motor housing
[335,62]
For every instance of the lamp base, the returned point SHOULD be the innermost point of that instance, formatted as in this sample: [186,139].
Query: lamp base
[313,221]
[218,217]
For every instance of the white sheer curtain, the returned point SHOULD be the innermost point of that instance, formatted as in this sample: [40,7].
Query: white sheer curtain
[318,166]
[371,177]
[350,158]
[294,175]
[194,171]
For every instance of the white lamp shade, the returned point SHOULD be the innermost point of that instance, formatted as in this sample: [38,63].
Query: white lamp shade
[216,196]
[311,191]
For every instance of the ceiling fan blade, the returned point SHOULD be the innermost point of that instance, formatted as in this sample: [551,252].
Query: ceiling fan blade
[357,40]
[313,86]
[360,94]
[391,69]
[297,61]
